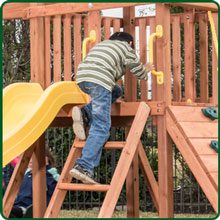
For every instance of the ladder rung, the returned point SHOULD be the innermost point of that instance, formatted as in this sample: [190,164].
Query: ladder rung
[83,187]
[109,145]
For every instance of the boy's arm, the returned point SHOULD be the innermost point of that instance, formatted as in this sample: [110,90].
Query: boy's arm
[136,67]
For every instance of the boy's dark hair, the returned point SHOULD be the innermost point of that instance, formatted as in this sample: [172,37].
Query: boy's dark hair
[123,36]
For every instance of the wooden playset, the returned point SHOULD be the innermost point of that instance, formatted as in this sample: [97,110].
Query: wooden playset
[176,108]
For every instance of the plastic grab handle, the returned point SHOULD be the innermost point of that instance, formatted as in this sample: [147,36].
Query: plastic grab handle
[92,39]
[158,34]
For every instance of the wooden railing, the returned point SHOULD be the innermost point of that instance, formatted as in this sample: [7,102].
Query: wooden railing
[64,35]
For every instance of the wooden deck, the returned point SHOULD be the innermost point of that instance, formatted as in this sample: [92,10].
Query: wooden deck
[192,132]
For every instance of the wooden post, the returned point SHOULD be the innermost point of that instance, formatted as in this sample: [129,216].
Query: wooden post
[143,57]
[215,66]
[39,178]
[37,49]
[47,52]
[130,80]
[176,59]
[77,25]
[132,180]
[57,48]
[67,48]
[94,23]
[37,39]
[203,44]
[189,54]
[107,26]
[165,167]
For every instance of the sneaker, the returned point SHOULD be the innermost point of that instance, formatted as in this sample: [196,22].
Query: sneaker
[78,124]
[82,174]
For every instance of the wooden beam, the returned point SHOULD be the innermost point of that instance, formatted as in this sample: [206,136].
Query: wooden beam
[164,94]
[122,109]
[69,8]
[15,10]
[199,6]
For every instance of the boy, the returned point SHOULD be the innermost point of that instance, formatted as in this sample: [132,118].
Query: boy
[97,76]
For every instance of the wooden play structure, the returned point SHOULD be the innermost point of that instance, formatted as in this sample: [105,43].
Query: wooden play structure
[176,109]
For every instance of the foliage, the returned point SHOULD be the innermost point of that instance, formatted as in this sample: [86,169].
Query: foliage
[16,47]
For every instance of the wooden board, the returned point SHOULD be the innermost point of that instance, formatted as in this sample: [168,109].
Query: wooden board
[77,20]
[201,146]
[214,176]
[116,25]
[69,8]
[107,25]
[215,66]
[189,55]
[176,58]
[200,129]
[203,44]
[189,114]
[211,162]
[143,57]
[47,52]
[57,48]
[67,48]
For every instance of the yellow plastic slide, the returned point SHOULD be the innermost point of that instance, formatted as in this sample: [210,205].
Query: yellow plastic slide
[28,110]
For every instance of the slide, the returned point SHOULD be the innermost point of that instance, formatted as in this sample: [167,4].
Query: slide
[192,133]
[28,110]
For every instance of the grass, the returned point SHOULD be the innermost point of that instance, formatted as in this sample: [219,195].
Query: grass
[122,214]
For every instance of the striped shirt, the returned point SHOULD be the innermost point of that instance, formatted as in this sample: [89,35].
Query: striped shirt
[106,62]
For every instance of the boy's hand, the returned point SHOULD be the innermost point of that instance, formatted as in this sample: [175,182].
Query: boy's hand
[149,66]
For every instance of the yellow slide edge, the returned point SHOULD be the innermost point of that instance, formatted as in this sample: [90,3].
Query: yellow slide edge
[28,111]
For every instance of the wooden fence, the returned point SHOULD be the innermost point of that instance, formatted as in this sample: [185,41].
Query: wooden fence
[194,72]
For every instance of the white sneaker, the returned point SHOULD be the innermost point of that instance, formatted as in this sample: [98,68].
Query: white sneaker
[78,125]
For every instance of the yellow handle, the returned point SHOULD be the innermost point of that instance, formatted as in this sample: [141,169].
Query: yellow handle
[214,35]
[159,34]
[92,39]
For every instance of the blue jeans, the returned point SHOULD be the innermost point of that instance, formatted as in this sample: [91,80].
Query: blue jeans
[98,112]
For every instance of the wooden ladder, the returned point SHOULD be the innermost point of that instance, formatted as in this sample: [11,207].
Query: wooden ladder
[129,148]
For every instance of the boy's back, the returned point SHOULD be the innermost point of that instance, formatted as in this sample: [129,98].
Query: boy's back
[106,62]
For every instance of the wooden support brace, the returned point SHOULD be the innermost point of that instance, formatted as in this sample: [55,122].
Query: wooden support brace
[15,181]
[125,161]
[149,176]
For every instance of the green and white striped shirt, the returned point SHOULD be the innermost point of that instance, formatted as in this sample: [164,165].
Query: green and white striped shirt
[106,63]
